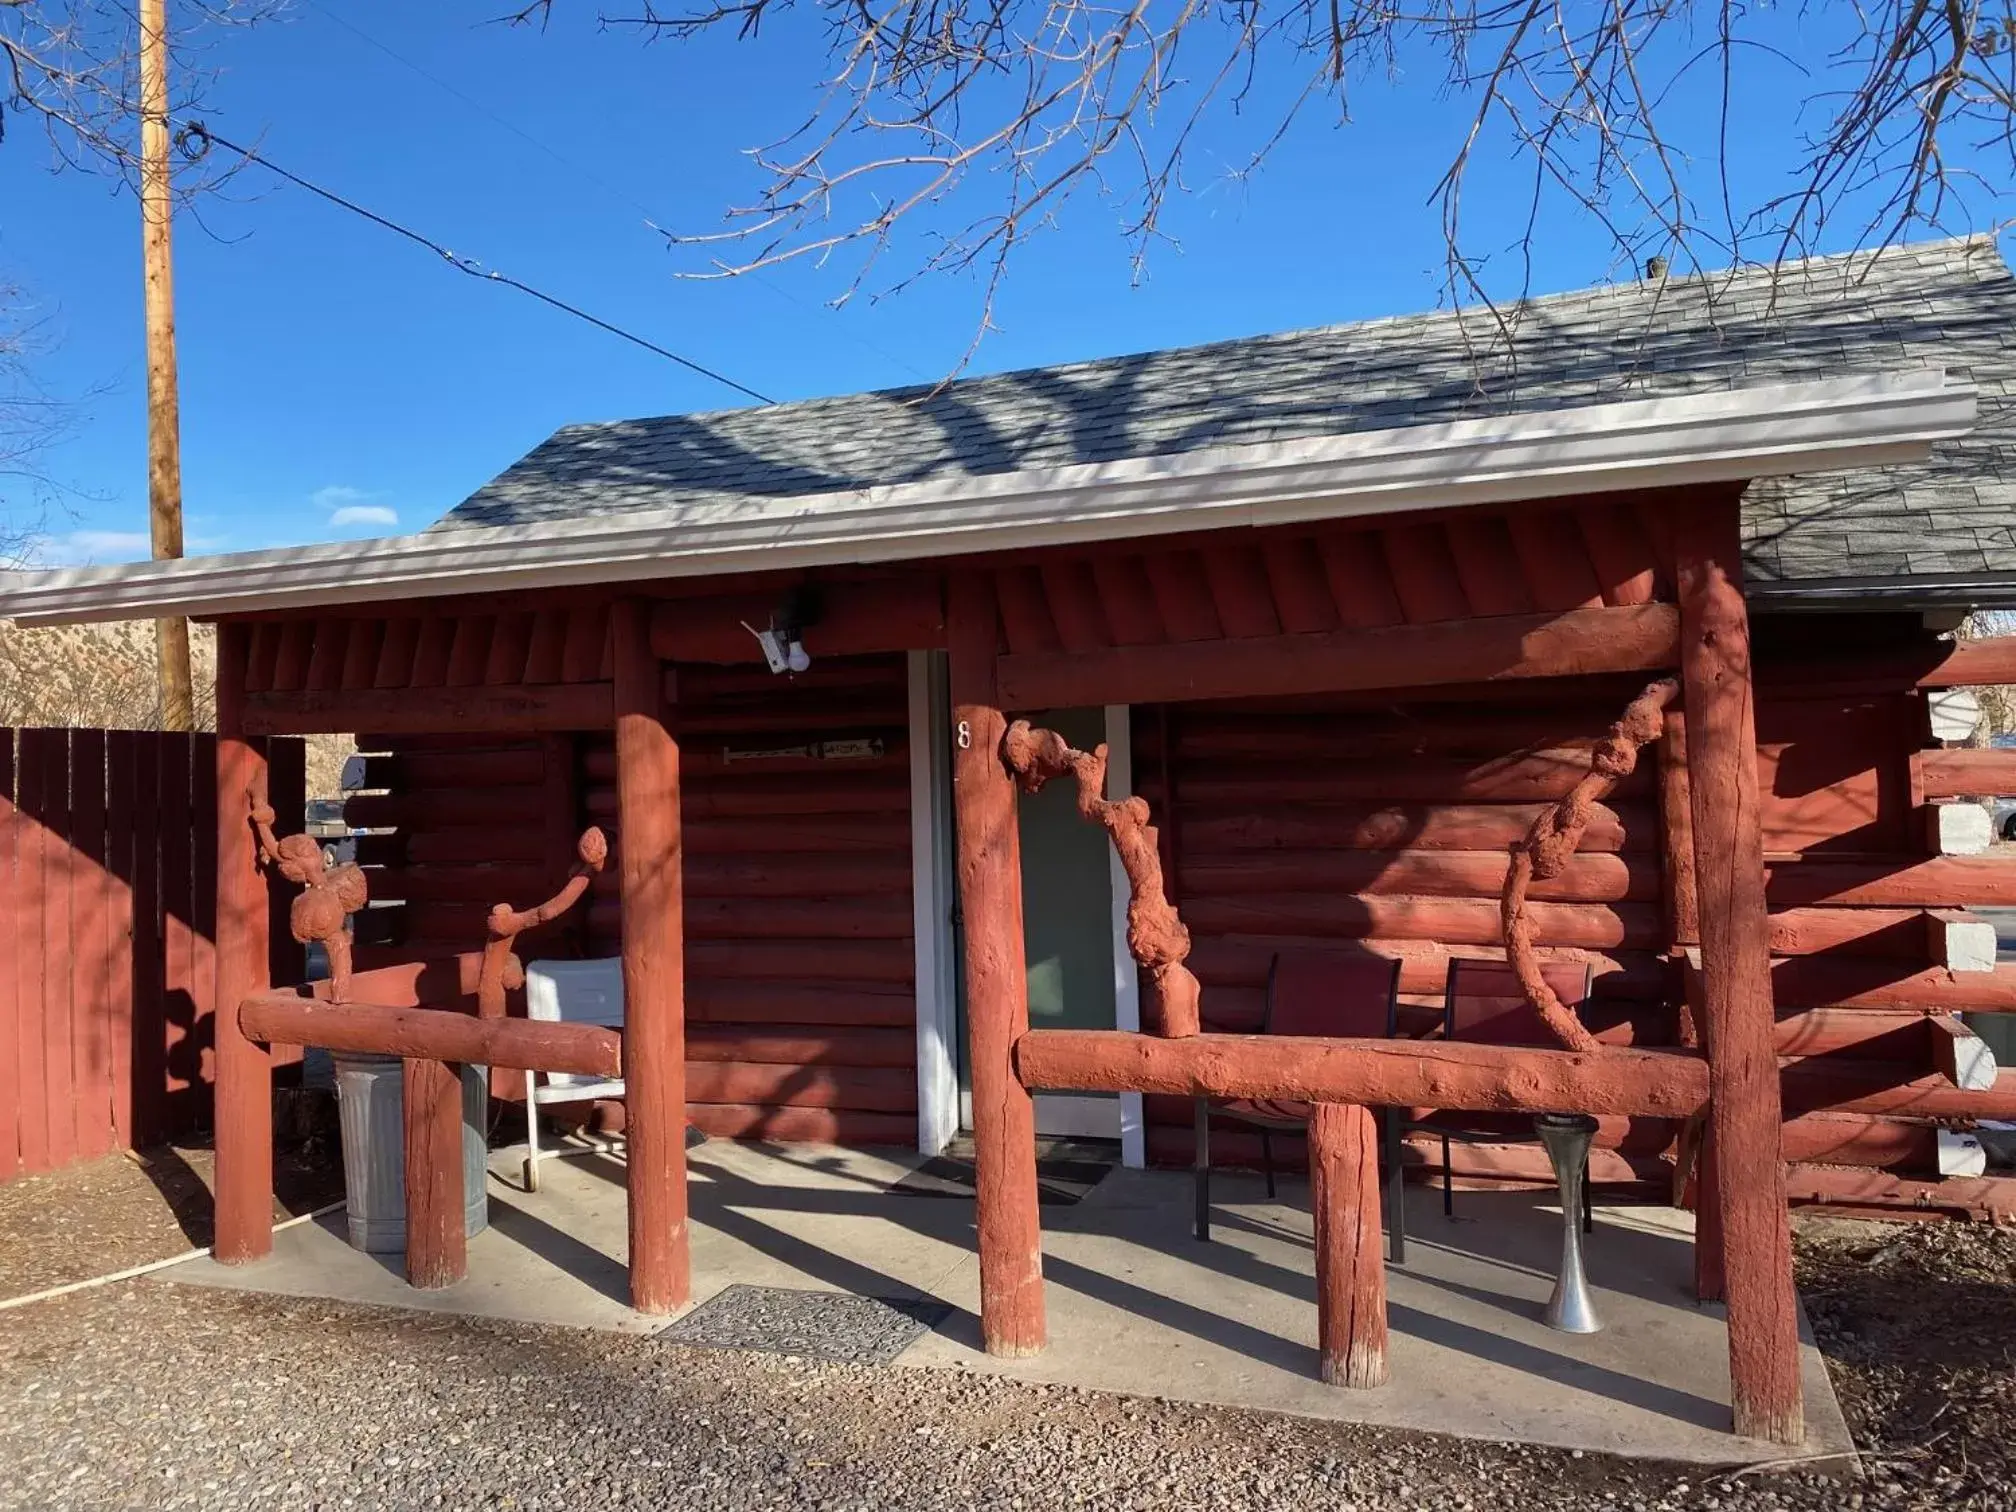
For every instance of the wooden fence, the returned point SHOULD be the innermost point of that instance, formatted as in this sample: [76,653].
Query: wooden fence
[107,892]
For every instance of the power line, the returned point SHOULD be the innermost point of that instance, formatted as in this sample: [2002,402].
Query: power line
[583,171]
[195,139]
[486,112]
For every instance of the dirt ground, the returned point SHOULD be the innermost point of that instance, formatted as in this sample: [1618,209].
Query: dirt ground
[1918,1324]
[124,1210]
[150,1394]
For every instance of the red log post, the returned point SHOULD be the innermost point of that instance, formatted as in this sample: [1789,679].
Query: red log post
[1708,1283]
[649,853]
[437,1242]
[1676,825]
[1736,974]
[1350,1268]
[997,989]
[244,1106]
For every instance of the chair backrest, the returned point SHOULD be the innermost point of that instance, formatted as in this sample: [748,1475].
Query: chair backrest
[1487,1006]
[578,992]
[1330,992]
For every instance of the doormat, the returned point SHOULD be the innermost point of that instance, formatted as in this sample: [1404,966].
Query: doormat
[1065,1171]
[816,1325]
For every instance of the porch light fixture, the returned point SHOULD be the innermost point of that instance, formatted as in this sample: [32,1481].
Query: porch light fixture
[783,643]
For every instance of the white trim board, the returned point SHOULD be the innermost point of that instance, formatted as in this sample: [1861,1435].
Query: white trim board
[937,994]
[1721,435]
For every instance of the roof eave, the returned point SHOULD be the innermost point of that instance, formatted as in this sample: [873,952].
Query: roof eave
[1919,591]
[1723,435]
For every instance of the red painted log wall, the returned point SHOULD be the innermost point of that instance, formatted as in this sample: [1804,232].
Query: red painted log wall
[799,955]
[1335,824]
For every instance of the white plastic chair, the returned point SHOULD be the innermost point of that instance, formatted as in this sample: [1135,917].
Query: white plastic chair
[574,992]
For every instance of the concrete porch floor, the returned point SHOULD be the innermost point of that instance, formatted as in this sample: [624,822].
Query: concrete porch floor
[1136,1304]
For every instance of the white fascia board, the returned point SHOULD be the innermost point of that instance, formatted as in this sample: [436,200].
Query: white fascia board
[1724,435]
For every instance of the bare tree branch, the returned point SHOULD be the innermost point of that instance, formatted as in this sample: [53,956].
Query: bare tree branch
[73,67]
[946,132]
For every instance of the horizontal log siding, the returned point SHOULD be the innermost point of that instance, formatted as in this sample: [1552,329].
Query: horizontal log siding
[799,957]
[1385,829]
[799,997]
[1335,824]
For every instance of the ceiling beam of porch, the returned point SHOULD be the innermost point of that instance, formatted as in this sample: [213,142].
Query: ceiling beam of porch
[527,709]
[1624,638]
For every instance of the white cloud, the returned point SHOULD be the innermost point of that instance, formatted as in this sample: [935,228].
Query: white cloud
[88,548]
[349,506]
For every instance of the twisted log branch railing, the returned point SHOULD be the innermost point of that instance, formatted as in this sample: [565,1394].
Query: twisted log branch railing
[1552,841]
[1156,936]
[502,970]
[432,1039]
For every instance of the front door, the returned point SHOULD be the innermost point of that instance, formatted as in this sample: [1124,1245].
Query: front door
[1067,923]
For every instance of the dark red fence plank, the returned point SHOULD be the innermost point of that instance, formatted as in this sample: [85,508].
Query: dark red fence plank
[180,1030]
[90,957]
[203,910]
[41,752]
[11,825]
[149,1038]
[121,768]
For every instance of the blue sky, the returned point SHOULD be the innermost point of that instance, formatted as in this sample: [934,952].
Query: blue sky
[338,383]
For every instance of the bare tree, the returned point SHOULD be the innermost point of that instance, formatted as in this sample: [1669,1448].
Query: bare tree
[990,114]
[1998,702]
[95,73]
[31,420]
[72,67]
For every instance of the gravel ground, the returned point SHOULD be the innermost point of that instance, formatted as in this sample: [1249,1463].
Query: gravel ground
[104,1215]
[152,1395]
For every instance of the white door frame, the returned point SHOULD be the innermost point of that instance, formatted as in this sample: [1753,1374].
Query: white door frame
[942,1109]
[931,892]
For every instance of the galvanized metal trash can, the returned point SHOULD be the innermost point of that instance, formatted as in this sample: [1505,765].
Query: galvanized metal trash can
[371,1097]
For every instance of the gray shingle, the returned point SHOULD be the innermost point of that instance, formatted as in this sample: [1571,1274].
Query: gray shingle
[1947,304]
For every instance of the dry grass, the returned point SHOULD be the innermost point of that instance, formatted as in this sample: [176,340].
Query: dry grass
[103,677]
[96,676]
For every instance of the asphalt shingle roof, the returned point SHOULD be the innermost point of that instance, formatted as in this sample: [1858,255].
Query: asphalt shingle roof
[1945,304]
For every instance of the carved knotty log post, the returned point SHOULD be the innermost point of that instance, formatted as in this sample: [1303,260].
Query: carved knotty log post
[1156,937]
[1736,991]
[1005,1212]
[329,895]
[1551,842]
[1350,1268]
[501,970]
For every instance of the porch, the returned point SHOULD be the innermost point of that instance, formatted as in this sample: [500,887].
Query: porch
[1137,1305]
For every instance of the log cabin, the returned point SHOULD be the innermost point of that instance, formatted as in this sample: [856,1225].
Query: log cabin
[1353,610]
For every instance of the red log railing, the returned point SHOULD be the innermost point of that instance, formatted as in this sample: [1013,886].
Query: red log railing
[434,1043]
[1375,1072]
[434,1033]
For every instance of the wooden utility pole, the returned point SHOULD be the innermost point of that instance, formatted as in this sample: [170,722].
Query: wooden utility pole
[164,424]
